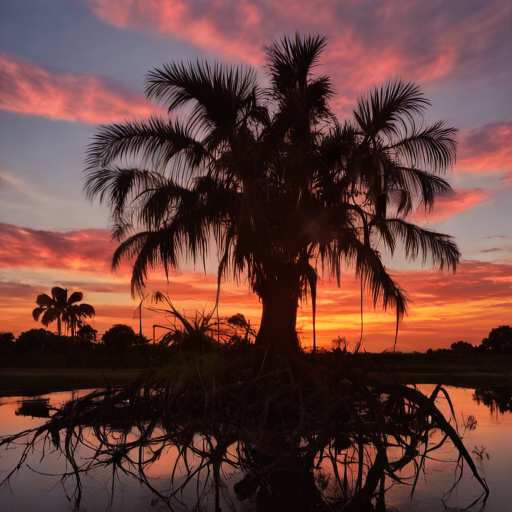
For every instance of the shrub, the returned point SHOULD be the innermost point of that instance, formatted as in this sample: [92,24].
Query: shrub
[119,338]
[499,340]
[36,339]
[462,348]
[6,337]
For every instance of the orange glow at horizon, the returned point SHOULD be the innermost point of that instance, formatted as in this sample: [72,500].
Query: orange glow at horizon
[445,308]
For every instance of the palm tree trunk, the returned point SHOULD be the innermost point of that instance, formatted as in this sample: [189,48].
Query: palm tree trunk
[279,317]
[59,326]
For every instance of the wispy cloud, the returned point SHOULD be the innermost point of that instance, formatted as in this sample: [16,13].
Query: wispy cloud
[27,88]
[8,182]
[496,249]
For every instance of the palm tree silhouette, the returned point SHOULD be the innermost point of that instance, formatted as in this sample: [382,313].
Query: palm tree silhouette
[62,308]
[275,178]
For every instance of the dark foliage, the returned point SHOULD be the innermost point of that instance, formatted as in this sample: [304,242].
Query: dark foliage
[462,348]
[499,340]
[497,399]
[6,337]
[39,339]
[86,334]
[119,338]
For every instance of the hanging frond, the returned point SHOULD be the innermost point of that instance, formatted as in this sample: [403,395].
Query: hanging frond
[432,147]
[378,282]
[75,297]
[441,249]
[422,186]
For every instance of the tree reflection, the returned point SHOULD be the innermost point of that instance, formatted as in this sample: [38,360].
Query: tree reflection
[35,408]
[497,399]
[301,437]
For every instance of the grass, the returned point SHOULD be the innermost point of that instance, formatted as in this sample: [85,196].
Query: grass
[413,368]
[39,381]
[418,368]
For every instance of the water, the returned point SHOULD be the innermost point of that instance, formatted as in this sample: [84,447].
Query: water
[39,485]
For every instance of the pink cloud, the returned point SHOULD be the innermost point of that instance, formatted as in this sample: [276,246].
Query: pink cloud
[88,250]
[199,23]
[29,89]
[487,148]
[457,202]
[426,42]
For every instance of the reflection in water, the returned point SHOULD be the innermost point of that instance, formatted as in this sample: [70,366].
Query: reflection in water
[287,446]
[35,408]
[498,399]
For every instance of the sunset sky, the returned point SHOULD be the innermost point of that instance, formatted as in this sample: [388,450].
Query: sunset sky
[68,65]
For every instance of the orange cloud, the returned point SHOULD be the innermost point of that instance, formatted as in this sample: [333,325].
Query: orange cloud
[29,89]
[457,202]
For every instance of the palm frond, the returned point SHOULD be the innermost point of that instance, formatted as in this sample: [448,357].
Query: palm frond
[118,186]
[390,108]
[86,310]
[420,185]
[159,204]
[36,313]
[49,316]
[439,247]
[219,94]
[75,297]
[44,300]
[378,282]
[290,61]
[432,147]
[423,186]
[154,142]
[60,296]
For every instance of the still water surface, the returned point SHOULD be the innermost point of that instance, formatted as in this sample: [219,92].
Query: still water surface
[38,486]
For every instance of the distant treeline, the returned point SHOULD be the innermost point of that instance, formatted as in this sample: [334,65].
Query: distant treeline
[121,347]
[498,342]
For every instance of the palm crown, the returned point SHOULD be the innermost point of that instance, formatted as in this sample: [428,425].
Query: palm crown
[277,180]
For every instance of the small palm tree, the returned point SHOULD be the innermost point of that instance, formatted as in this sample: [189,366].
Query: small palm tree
[62,308]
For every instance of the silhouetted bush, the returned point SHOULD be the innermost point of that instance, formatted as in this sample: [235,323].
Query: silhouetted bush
[36,339]
[462,348]
[6,337]
[86,333]
[499,340]
[119,338]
